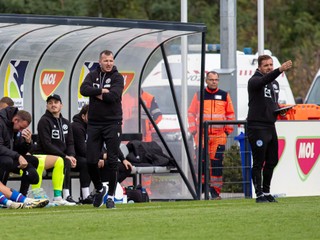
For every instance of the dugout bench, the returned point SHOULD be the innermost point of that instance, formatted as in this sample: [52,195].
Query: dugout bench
[136,173]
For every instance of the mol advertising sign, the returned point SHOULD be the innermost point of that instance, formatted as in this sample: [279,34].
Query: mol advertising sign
[298,170]
[50,79]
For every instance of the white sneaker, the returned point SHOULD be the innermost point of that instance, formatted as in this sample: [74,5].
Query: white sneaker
[35,203]
[62,202]
[14,205]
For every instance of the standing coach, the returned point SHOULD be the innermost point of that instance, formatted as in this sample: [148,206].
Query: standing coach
[104,86]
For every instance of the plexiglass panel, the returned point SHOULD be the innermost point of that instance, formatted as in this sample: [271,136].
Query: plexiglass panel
[22,59]
[37,60]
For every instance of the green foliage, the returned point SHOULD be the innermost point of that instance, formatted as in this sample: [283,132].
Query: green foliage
[292,29]
[232,172]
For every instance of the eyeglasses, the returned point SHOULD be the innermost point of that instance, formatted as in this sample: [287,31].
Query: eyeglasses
[213,79]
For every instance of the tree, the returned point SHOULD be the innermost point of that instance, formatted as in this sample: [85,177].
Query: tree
[292,29]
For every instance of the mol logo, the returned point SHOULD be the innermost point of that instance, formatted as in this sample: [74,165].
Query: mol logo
[307,153]
[49,81]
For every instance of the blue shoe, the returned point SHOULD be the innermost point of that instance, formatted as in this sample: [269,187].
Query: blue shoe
[99,197]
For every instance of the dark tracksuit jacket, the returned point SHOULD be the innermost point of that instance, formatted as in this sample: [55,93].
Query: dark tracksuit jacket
[55,136]
[263,91]
[79,129]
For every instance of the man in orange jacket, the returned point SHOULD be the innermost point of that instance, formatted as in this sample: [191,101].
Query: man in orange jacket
[147,127]
[217,107]
[155,112]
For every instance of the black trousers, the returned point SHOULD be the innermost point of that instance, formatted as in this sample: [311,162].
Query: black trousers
[67,177]
[97,136]
[29,174]
[123,173]
[82,168]
[264,146]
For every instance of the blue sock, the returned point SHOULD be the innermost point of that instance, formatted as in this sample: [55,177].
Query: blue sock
[17,197]
[3,199]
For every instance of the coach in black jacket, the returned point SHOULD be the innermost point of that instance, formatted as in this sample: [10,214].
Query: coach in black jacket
[15,142]
[263,91]
[104,86]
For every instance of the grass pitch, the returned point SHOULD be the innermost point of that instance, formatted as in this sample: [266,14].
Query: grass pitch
[290,218]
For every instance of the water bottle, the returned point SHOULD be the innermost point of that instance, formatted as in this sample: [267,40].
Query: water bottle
[279,195]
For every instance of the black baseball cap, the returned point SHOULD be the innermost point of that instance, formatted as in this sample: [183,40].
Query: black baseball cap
[54,96]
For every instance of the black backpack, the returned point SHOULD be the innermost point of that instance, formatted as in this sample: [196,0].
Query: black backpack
[147,153]
[137,194]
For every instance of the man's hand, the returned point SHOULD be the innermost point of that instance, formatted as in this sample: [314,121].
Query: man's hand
[101,163]
[27,135]
[127,164]
[22,162]
[285,66]
[283,112]
[72,160]
[103,90]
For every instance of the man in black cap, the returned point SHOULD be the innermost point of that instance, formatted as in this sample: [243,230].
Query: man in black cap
[55,138]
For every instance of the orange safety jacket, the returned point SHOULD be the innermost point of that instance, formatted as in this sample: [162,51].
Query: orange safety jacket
[154,111]
[217,107]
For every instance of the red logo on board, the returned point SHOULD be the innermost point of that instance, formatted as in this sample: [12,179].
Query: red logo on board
[307,152]
[50,80]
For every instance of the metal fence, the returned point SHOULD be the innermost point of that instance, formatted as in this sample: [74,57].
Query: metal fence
[236,169]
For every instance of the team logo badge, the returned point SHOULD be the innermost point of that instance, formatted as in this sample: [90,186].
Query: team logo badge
[259,143]
[65,128]
[55,134]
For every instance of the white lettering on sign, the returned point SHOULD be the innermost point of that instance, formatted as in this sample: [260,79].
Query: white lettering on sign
[49,78]
[306,150]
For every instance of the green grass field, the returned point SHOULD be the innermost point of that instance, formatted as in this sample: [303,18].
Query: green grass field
[290,218]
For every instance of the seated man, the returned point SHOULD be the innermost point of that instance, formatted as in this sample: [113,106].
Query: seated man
[55,138]
[6,102]
[15,142]
[79,129]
